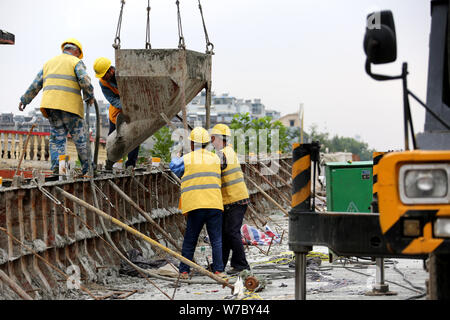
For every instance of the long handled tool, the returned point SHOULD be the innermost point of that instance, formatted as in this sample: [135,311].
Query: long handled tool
[24,148]
[144,237]
[14,286]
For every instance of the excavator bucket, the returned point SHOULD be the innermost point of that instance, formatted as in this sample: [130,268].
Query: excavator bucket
[152,82]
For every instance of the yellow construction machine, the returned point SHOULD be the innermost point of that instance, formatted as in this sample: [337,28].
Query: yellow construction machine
[410,215]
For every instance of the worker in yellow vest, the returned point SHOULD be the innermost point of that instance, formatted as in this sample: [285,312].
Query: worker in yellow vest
[106,73]
[235,200]
[201,198]
[62,79]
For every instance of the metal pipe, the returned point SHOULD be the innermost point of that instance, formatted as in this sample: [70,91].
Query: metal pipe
[114,247]
[14,286]
[268,182]
[286,213]
[406,112]
[255,214]
[144,237]
[286,164]
[300,276]
[208,105]
[280,167]
[97,134]
[380,271]
[274,173]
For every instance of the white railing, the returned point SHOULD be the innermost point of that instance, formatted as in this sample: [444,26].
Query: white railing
[12,145]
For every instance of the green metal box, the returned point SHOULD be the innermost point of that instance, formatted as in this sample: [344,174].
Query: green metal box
[349,186]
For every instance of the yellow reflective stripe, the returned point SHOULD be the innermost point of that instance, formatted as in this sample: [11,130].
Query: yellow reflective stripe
[200,174]
[61,76]
[62,88]
[229,183]
[225,173]
[200,187]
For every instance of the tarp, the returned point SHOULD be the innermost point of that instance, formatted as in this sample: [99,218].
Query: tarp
[253,236]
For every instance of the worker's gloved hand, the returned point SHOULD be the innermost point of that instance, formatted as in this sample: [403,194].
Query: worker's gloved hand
[22,106]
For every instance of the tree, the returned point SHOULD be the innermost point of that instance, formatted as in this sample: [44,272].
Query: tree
[162,144]
[341,144]
[258,134]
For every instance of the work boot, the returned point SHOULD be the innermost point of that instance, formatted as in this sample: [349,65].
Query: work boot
[108,166]
[184,275]
[220,274]
[234,271]
[55,171]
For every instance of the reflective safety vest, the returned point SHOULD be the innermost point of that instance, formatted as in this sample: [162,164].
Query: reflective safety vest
[233,184]
[60,85]
[200,183]
[113,111]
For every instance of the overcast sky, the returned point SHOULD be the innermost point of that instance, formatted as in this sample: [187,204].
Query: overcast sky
[285,52]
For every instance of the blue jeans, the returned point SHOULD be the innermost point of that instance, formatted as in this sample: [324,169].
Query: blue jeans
[195,222]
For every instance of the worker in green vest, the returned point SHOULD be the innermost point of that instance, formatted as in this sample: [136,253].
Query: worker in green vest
[235,200]
[201,198]
[62,79]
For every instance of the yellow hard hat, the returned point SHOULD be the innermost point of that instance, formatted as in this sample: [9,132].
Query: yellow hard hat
[75,42]
[199,135]
[221,130]
[101,66]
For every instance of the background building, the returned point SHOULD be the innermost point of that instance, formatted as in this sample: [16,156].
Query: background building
[224,107]
[291,120]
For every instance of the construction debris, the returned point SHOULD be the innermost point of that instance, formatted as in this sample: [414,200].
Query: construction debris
[94,244]
[137,258]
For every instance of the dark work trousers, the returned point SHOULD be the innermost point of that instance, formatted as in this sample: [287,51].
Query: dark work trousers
[231,237]
[133,155]
[195,221]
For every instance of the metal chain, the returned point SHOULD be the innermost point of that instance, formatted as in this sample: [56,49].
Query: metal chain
[181,44]
[147,31]
[209,45]
[116,44]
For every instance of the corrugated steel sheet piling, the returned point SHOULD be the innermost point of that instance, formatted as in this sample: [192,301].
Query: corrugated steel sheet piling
[144,237]
[69,236]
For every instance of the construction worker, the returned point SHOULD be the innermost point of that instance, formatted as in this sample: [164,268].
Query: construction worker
[201,198]
[106,72]
[62,79]
[235,200]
